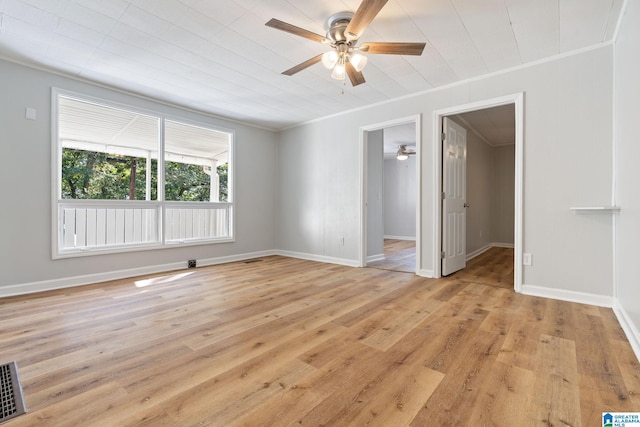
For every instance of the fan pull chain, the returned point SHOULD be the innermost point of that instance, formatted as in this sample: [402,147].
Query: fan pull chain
[344,83]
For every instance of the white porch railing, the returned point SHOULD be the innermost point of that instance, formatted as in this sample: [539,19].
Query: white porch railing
[186,221]
[104,224]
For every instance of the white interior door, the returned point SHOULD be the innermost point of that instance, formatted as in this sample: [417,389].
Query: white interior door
[454,189]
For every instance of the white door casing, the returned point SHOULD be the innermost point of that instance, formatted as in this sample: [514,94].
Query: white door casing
[517,99]
[454,189]
[416,120]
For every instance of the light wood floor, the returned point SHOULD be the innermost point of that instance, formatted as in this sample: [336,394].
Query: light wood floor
[493,267]
[283,342]
[399,255]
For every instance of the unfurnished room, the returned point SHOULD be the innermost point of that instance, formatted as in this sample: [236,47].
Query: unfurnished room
[319,212]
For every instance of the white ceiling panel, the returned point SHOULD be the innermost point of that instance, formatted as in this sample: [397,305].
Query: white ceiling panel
[184,17]
[80,33]
[69,50]
[582,22]
[53,6]
[220,58]
[536,25]
[489,26]
[29,20]
[99,20]
[441,24]
[112,8]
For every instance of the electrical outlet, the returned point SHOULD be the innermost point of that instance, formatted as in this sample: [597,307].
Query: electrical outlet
[30,113]
[527,259]
[191,263]
[341,241]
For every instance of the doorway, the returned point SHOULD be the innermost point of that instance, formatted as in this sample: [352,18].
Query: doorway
[515,102]
[390,238]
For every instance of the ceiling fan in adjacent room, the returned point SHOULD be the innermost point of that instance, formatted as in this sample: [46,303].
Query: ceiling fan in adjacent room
[343,31]
[403,152]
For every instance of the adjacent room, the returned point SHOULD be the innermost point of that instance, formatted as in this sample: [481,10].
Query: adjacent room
[282,212]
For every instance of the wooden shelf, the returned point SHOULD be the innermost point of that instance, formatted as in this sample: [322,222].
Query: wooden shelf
[595,209]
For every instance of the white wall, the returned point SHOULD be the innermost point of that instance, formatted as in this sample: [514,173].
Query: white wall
[25,155]
[503,194]
[375,200]
[400,198]
[627,177]
[490,193]
[567,162]
[320,191]
[479,192]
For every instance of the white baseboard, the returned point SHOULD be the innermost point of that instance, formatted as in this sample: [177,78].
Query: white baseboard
[374,258]
[401,237]
[426,273]
[478,252]
[88,279]
[570,296]
[503,245]
[318,258]
[633,335]
[485,248]
[234,258]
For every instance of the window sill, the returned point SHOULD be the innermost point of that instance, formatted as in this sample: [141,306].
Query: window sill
[595,209]
[91,251]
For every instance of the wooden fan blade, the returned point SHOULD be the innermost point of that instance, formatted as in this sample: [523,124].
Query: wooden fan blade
[393,48]
[362,18]
[306,64]
[356,77]
[283,26]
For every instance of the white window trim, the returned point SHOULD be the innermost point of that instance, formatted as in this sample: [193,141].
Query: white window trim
[160,205]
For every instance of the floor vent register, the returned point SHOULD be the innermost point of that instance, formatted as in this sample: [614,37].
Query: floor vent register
[11,400]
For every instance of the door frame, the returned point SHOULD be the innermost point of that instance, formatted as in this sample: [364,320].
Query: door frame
[416,120]
[517,100]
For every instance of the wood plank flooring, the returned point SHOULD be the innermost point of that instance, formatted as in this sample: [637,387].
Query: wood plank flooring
[399,255]
[493,267]
[282,342]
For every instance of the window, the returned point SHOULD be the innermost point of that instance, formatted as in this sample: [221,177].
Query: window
[129,179]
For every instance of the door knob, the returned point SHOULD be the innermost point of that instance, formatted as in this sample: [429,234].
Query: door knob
[466,205]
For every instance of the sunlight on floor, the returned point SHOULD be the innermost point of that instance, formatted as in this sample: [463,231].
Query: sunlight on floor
[160,280]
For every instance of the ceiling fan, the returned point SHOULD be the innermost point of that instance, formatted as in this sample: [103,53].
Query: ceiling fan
[344,30]
[403,152]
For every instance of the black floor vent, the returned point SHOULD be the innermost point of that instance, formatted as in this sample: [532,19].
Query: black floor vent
[251,261]
[11,401]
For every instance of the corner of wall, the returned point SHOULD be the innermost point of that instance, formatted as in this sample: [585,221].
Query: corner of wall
[633,335]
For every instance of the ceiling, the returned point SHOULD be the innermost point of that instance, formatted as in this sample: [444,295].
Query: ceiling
[220,58]
[496,126]
[395,136]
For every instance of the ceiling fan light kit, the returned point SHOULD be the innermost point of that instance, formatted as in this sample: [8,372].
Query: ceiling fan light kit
[330,59]
[338,72]
[403,152]
[343,31]
[358,61]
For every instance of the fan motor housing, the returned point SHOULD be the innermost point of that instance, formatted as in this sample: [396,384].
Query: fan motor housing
[337,26]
